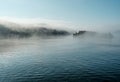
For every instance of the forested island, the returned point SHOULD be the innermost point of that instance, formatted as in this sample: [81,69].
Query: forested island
[29,32]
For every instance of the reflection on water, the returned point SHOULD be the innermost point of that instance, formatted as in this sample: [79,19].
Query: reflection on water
[63,59]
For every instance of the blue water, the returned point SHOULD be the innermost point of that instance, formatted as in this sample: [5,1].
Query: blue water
[60,59]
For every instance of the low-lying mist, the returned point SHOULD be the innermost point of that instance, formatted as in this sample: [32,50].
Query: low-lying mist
[17,30]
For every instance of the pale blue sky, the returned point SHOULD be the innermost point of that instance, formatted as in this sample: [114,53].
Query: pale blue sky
[76,11]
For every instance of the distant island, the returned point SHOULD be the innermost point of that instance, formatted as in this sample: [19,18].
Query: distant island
[29,32]
[92,34]
[79,33]
[82,32]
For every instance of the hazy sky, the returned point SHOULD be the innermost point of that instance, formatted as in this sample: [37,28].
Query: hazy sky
[82,12]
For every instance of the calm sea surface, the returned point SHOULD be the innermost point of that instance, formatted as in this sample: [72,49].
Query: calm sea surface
[60,59]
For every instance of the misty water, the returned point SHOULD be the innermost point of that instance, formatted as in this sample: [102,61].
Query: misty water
[60,59]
